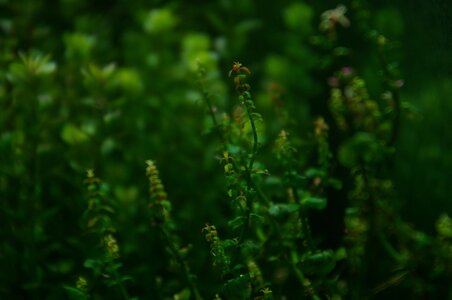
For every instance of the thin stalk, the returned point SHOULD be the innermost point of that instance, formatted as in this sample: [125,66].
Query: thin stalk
[206,97]
[32,181]
[370,266]
[390,250]
[397,112]
[302,279]
[260,193]
[249,169]
[255,140]
[249,205]
[223,142]
[394,280]
[123,290]
[304,220]
[396,97]
[194,291]
[374,233]
[298,273]
[34,141]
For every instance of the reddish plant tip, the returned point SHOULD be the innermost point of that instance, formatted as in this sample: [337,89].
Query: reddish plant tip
[238,68]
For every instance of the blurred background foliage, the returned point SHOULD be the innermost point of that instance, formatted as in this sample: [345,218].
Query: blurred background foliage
[106,85]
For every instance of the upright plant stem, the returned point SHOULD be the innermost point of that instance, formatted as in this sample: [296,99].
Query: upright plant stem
[255,139]
[295,269]
[123,290]
[34,141]
[194,291]
[396,98]
[369,264]
[249,170]
[304,220]
[206,97]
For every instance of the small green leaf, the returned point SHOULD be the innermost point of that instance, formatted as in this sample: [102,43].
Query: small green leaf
[444,226]
[238,288]
[92,264]
[319,263]
[335,183]
[362,147]
[250,249]
[341,51]
[283,209]
[159,20]
[340,254]
[298,16]
[255,218]
[74,293]
[183,295]
[313,172]
[314,203]
[72,135]
[228,243]
[236,223]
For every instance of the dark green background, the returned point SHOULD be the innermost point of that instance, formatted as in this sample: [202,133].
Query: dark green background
[154,111]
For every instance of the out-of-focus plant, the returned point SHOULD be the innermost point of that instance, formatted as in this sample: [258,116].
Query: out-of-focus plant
[302,201]
[160,214]
[105,264]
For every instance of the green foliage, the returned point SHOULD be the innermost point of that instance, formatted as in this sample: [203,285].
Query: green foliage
[293,156]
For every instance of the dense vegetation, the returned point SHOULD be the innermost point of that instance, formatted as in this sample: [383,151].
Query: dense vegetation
[220,150]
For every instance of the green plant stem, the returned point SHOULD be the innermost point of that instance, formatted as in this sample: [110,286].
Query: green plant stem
[394,280]
[374,233]
[222,138]
[298,273]
[194,291]
[206,97]
[397,112]
[396,97]
[260,193]
[389,248]
[120,285]
[369,264]
[249,170]
[250,183]
[32,185]
[302,279]
[99,112]
[223,141]
[249,205]
[304,220]
[255,139]
[34,141]
[302,213]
